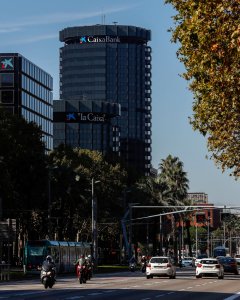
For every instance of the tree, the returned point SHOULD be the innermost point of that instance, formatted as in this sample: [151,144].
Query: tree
[23,163]
[72,175]
[208,33]
[175,182]
[173,179]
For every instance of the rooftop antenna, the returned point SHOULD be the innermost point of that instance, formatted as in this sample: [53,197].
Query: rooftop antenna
[103,19]
[115,23]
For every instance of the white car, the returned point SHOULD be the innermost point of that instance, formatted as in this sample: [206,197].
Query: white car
[209,267]
[161,266]
[199,257]
[187,261]
[237,257]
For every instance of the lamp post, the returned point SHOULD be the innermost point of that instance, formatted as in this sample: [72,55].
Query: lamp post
[94,224]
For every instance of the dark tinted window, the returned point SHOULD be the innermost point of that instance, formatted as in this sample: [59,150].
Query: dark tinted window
[6,97]
[6,80]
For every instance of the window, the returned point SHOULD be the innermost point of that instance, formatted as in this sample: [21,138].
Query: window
[6,80]
[6,97]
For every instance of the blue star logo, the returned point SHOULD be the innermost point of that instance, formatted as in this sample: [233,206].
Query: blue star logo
[71,116]
[83,40]
[7,63]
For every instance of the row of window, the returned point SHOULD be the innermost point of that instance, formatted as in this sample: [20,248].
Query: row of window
[36,89]
[46,125]
[35,104]
[38,74]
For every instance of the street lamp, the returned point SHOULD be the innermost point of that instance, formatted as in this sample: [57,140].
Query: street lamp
[94,224]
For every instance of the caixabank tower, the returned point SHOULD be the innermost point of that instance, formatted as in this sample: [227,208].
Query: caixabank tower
[105,92]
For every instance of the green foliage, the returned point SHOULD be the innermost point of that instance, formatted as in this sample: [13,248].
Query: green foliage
[71,183]
[23,163]
[208,33]
[173,180]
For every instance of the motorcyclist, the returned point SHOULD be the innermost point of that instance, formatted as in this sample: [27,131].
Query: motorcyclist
[132,263]
[81,266]
[143,263]
[49,265]
[81,261]
[89,264]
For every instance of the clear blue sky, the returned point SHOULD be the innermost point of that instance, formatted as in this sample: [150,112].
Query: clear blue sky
[31,28]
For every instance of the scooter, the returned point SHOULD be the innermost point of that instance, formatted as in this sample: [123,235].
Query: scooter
[132,267]
[143,267]
[48,277]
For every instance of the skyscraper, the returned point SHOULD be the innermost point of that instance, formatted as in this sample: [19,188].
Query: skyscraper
[106,70]
[26,90]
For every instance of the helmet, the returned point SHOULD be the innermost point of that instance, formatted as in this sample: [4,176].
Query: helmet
[49,258]
[89,256]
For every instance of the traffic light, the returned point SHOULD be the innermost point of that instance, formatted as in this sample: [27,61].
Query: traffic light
[200,218]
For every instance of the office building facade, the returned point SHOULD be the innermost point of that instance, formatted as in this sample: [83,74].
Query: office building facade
[106,66]
[26,90]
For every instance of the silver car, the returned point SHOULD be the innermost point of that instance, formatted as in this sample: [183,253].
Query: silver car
[209,267]
[161,266]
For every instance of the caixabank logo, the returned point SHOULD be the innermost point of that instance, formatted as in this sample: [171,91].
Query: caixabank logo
[6,63]
[99,39]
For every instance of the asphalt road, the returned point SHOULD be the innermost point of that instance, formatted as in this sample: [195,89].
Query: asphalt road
[127,286]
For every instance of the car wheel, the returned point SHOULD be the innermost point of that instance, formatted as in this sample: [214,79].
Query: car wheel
[198,276]
[148,276]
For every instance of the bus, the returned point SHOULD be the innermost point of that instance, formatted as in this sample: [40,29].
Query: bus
[64,254]
[220,251]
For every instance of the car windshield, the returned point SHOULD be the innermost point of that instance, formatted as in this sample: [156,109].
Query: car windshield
[187,258]
[209,261]
[159,260]
[227,260]
[202,256]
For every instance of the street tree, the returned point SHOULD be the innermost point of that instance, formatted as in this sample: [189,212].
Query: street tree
[74,173]
[173,179]
[208,35]
[23,163]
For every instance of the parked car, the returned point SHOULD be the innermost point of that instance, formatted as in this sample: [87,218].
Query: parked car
[187,261]
[199,257]
[237,257]
[209,267]
[160,266]
[229,264]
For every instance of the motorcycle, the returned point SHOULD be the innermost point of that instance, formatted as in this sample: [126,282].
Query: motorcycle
[132,267]
[89,271]
[143,267]
[82,273]
[48,277]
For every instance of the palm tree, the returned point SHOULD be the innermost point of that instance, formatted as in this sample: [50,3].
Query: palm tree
[174,181]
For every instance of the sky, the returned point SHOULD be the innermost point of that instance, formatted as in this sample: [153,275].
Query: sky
[31,28]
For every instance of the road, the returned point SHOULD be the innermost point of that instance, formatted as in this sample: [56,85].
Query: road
[127,286]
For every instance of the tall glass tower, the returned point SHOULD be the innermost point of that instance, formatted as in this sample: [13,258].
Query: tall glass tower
[108,64]
[26,90]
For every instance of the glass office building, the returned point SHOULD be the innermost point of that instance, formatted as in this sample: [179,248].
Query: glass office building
[26,90]
[107,64]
